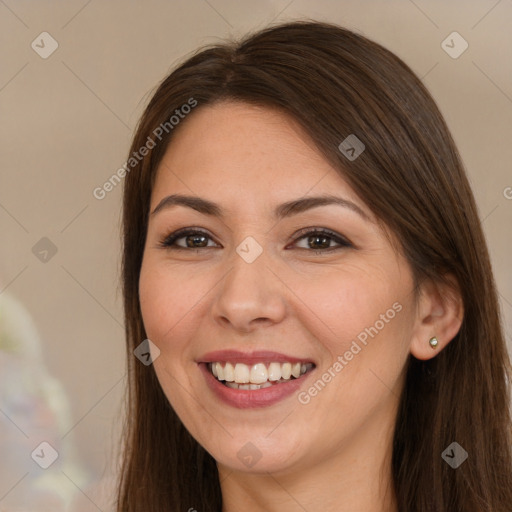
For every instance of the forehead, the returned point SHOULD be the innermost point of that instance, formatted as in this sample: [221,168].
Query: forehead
[237,151]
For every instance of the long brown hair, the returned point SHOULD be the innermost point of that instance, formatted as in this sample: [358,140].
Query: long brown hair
[336,83]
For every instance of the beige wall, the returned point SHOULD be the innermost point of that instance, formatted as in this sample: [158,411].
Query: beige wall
[66,123]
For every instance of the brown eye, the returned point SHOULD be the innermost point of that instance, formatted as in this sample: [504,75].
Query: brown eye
[320,240]
[194,239]
[317,240]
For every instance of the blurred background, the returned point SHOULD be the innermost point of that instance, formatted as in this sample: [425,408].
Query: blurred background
[74,79]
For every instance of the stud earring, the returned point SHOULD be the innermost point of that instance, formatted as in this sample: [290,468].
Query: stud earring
[433,342]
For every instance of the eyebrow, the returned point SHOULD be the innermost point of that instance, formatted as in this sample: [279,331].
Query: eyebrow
[287,209]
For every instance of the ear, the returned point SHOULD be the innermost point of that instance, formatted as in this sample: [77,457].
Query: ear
[439,313]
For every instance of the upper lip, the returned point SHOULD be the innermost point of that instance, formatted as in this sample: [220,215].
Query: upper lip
[250,358]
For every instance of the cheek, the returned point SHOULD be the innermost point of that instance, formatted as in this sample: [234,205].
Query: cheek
[173,301]
[345,301]
[162,300]
[336,304]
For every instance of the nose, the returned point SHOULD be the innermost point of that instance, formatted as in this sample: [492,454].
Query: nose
[250,295]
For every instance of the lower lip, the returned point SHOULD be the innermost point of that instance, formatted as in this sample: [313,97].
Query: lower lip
[251,398]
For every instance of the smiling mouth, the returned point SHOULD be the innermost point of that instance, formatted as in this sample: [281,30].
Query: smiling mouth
[259,375]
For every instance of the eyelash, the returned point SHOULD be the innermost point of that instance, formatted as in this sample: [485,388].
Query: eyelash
[169,241]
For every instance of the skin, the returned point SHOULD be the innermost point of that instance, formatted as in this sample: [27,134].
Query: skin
[333,453]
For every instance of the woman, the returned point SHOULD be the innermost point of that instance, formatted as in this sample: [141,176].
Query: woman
[303,251]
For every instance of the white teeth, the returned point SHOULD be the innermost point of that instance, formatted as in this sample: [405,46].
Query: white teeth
[274,371]
[220,371]
[286,370]
[234,385]
[229,372]
[259,374]
[242,376]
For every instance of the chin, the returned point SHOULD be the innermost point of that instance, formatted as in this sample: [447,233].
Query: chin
[259,454]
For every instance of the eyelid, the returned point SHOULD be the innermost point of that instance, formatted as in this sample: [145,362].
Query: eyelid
[341,239]
[169,239]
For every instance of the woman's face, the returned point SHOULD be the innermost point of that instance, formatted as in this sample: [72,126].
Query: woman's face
[255,290]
